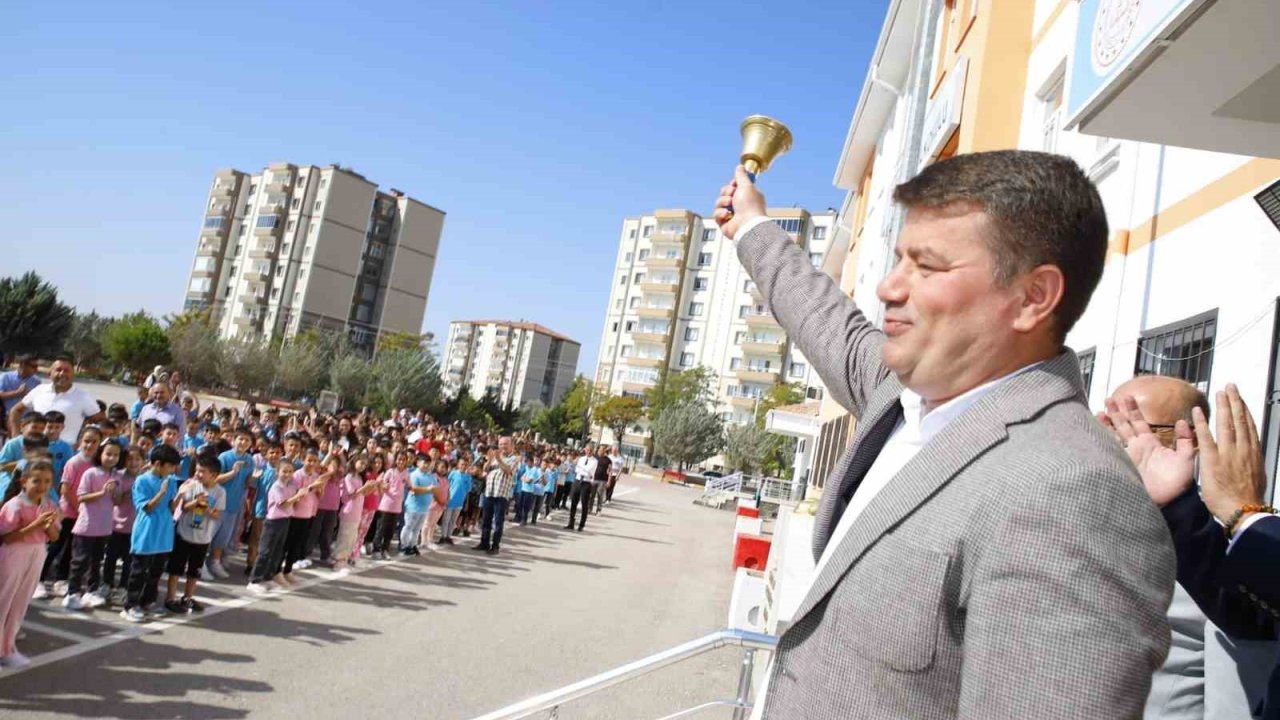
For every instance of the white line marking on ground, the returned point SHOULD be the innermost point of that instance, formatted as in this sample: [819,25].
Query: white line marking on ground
[625,493]
[55,632]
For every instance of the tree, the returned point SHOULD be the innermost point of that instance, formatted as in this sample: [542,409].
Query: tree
[84,339]
[349,376]
[551,423]
[617,413]
[247,365]
[746,447]
[679,388]
[137,342]
[528,413]
[301,367]
[503,416]
[687,433]
[406,377]
[195,347]
[778,396]
[780,451]
[577,408]
[32,320]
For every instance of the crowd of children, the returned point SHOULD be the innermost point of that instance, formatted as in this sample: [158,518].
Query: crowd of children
[100,524]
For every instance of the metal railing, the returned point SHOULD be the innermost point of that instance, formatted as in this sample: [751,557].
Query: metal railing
[741,703]
[729,483]
[777,489]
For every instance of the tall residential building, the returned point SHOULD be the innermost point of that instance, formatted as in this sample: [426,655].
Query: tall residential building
[294,247]
[680,299]
[516,361]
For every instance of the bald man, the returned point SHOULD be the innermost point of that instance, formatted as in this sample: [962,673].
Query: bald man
[1208,674]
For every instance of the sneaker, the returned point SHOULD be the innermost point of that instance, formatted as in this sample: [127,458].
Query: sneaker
[134,615]
[155,609]
[175,606]
[193,605]
[41,592]
[206,575]
[432,547]
[257,588]
[118,596]
[302,565]
[219,570]
[341,572]
[481,547]
[93,600]
[60,588]
[73,602]
[15,659]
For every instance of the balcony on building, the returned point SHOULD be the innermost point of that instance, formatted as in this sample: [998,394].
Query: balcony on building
[655,311]
[247,321]
[224,187]
[210,245]
[743,397]
[265,248]
[636,440]
[758,373]
[258,271]
[763,345]
[661,284]
[754,290]
[253,298]
[665,259]
[759,316]
[269,223]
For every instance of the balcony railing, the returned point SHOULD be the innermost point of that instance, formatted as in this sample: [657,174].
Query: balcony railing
[760,317]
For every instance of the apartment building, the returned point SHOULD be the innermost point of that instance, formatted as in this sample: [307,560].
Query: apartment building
[680,299]
[294,247]
[1190,288]
[518,361]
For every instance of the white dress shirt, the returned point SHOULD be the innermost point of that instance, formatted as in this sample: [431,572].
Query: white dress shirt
[917,427]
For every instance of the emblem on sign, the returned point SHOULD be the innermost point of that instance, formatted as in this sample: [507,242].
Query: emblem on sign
[1112,30]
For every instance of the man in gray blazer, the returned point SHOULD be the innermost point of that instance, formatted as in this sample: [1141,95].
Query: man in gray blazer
[985,548]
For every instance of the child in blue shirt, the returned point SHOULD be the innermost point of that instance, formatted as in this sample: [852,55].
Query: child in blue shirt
[261,481]
[417,501]
[155,497]
[459,489]
[239,462]
[530,493]
[191,444]
[60,451]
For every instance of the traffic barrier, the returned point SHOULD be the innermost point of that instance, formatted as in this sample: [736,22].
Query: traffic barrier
[751,552]
[748,512]
[747,604]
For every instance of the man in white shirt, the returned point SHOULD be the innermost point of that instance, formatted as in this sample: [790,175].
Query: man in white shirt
[60,394]
[985,549]
[584,474]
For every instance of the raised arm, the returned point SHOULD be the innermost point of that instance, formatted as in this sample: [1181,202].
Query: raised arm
[842,345]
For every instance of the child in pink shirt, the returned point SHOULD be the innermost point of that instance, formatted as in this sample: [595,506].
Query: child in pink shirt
[371,474]
[282,497]
[122,516]
[57,564]
[309,478]
[438,500]
[28,519]
[350,513]
[92,529]
[391,505]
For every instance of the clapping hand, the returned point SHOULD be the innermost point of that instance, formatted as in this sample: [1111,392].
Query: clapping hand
[1166,472]
[1232,470]
[46,518]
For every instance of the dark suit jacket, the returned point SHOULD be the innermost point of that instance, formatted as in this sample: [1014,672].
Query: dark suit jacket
[1238,591]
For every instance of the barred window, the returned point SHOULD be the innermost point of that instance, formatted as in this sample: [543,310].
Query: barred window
[1183,350]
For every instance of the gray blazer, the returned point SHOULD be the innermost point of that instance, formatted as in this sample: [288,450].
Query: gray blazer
[1015,568]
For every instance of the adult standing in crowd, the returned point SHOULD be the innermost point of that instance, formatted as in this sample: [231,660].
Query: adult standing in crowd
[60,394]
[985,548]
[615,471]
[601,477]
[584,472]
[162,408]
[15,384]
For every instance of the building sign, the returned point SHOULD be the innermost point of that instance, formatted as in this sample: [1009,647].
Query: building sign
[942,116]
[1113,38]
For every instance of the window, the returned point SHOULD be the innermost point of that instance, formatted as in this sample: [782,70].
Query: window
[291,225]
[302,181]
[691,334]
[627,258]
[648,230]
[275,293]
[1269,201]
[631,235]
[695,308]
[280,271]
[622,279]
[744,310]
[708,234]
[240,232]
[313,230]
[617,304]
[248,208]
[1182,350]
[1051,112]
[735,363]
[297,296]
[815,259]
[306,251]
[285,248]
[738,336]
[614,328]
[700,283]
[323,181]
[644,253]
[626,351]
[253,188]
[791,225]
[638,278]
[704,259]
[686,359]
[634,303]
[213,222]
[819,233]
[630,325]
[1086,360]
[268,221]
[316,207]
[748,285]
[608,352]
[294,205]
[798,369]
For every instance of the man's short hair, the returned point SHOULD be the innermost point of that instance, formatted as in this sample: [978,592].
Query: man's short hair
[1045,209]
[165,454]
[28,359]
[31,416]
[55,417]
[65,357]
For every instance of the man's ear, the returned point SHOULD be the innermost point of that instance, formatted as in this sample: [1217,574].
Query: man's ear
[1042,289]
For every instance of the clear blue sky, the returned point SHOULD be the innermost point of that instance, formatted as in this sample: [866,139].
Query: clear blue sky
[536,126]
